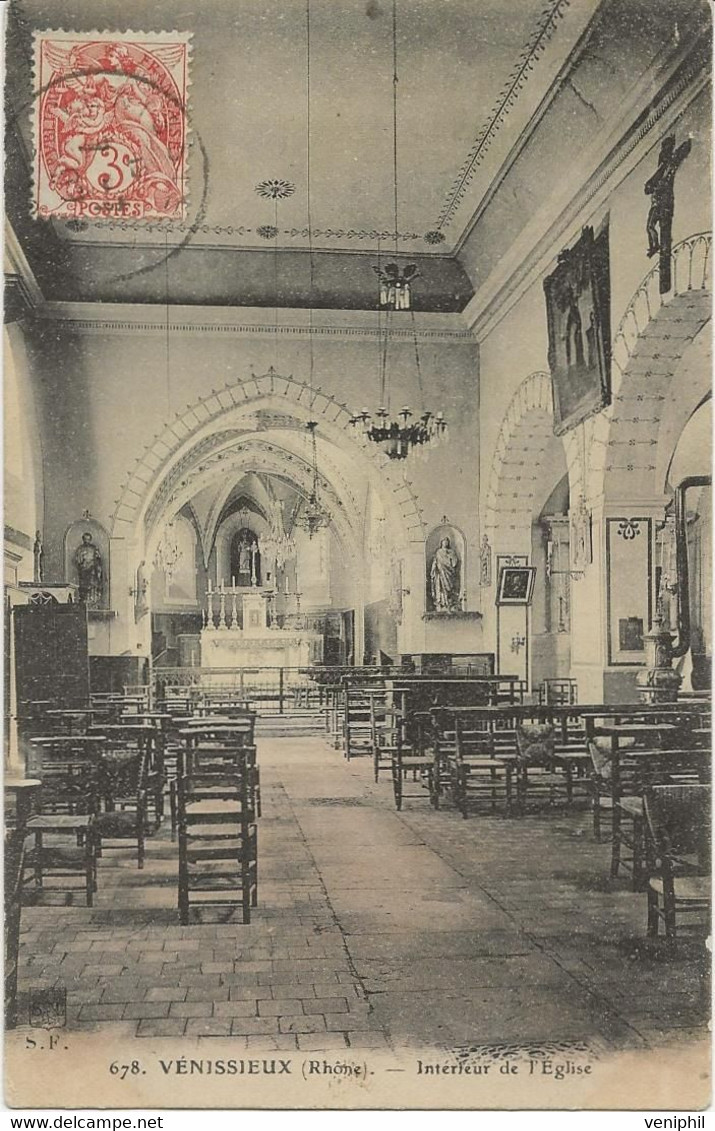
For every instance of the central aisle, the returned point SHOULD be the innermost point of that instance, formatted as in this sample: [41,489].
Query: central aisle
[466,932]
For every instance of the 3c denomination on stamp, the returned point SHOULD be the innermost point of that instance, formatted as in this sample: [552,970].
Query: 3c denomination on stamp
[110,125]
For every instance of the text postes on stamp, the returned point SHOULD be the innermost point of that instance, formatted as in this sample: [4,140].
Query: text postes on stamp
[110,125]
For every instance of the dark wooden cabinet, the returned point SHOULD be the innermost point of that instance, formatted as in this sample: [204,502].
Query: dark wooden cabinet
[51,654]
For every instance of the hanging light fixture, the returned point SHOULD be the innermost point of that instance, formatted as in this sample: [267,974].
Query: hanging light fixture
[277,544]
[313,516]
[168,552]
[401,434]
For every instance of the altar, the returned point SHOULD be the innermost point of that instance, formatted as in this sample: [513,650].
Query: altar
[238,633]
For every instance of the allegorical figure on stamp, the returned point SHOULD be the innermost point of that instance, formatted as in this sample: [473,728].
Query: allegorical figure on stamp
[444,578]
[111,124]
[90,575]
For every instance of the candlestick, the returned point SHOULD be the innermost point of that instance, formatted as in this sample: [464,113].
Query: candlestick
[210,626]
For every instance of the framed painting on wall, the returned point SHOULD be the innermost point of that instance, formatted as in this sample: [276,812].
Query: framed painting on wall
[516,585]
[578,316]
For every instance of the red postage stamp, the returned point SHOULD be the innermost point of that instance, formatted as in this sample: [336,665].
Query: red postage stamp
[110,125]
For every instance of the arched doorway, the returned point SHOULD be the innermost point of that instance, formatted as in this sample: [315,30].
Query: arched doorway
[526,521]
[661,372]
[252,439]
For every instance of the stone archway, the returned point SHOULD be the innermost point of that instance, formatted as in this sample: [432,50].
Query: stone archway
[259,424]
[654,335]
[528,463]
[526,433]
[179,444]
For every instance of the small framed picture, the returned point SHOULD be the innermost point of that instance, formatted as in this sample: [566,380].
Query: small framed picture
[516,585]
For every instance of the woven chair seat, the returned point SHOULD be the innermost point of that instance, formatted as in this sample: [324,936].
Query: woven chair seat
[631,805]
[118,823]
[57,856]
[60,822]
[686,887]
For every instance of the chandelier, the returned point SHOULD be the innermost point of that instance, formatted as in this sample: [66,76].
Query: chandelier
[398,437]
[396,285]
[313,516]
[401,434]
[168,551]
[276,544]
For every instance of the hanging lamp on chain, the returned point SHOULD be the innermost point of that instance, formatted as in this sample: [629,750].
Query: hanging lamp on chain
[277,545]
[401,434]
[313,516]
[168,552]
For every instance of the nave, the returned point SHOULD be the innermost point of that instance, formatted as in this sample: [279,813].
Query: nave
[358,542]
[374,930]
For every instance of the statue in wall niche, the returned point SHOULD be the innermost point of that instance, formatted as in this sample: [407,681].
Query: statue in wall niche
[37,557]
[90,575]
[444,578]
[485,562]
[141,605]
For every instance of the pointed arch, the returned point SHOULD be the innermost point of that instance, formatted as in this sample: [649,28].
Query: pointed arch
[192,436]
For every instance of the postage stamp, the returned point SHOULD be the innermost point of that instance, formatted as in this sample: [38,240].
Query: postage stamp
[110,125]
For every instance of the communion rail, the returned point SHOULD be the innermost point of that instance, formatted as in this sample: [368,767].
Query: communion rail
[271,690]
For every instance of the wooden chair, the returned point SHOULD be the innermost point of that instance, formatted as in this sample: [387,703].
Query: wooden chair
[218,838]
[561,692]
[678,821]
[408,765]
[386,729]
[64,832]
[132,793]
[617,791]
[476,775]
[536,770]
[229,733]
[357,726]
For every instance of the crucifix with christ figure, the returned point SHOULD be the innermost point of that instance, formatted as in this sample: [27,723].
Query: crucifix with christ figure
[661,189]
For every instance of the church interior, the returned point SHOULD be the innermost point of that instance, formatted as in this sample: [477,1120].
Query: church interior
[357,524]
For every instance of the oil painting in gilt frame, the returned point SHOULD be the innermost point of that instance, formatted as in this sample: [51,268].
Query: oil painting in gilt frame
[578,315]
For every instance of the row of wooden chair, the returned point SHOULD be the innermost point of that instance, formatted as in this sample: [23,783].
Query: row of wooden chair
[86,806]
[100,789]
[656,799]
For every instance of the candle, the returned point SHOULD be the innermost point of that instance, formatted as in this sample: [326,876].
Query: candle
[222,585]
[209,585]
[233,582]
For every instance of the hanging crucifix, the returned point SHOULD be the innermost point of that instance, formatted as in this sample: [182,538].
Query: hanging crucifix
[660,188]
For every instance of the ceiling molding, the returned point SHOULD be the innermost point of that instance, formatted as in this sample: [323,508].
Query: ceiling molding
[613,155]
[127,318]
[19,271]
[539,59]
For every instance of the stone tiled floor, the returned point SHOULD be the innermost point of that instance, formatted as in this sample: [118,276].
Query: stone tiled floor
[374,929]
